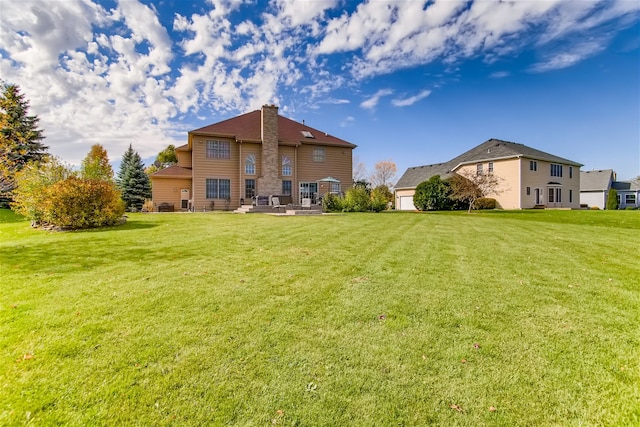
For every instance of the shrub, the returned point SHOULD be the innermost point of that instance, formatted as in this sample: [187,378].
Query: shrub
[356,200]
[485,203]
[81,203]
[594,208]
[332,203]
[432,194]
[147,206]
[380,198]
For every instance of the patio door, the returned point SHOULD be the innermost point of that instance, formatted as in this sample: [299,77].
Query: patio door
[309,190]
[538,195]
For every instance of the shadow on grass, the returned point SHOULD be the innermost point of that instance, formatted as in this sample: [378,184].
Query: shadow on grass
[8,216]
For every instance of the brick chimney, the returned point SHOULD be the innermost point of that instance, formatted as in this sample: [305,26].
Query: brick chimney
[268,182]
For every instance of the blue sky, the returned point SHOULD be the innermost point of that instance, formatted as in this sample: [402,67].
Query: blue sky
[415,82]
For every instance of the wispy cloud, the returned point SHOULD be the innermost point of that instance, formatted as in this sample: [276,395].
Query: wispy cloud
[411,100]
[559,60]
[373,101]
[499,74]
[348,121]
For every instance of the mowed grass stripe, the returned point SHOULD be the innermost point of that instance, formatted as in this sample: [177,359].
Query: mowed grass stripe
[359,319]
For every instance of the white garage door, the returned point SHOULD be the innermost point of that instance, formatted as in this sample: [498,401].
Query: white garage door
[406,203]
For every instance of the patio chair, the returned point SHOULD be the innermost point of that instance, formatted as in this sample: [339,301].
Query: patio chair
[306,203]
[275,201]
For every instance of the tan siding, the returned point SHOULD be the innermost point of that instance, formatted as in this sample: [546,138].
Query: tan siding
[184,158]
[508,173]
[167,190]
[204,168]
[337,164]
[541,179]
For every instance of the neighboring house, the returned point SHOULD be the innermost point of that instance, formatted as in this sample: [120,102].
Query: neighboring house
[528,177]
[595,186]
[628,193]
[255,154]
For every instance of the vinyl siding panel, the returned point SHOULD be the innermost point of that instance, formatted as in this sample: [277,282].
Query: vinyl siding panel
[167,190]
[337,164]
[508,173]
[541,178]
[205,168]
[184,158]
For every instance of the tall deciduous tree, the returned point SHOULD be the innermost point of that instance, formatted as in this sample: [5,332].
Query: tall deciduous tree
[96,165]
[384,174]
[468,186]
[133,181]
[20,138]
[166,157]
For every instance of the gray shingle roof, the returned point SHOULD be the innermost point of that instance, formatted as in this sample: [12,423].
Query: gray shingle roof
[633,185]
[493,149]
[414,176]
[596,180]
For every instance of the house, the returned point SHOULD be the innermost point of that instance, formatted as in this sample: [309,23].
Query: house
[528,177]
[595,186]
[628,193]
[250,158]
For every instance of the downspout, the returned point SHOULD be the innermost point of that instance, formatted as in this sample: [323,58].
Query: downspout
[295,176]
[239,170]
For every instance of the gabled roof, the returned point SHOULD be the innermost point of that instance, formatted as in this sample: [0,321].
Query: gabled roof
[173,172]
[496,149]
[247,128]
[633,185]
[596,180]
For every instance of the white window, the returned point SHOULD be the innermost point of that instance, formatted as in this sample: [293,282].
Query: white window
[335,187]
[286,166]
[218,149]
[533,165]
[479,169]
[250,165]
[490,167]
[630,199]
[318,154]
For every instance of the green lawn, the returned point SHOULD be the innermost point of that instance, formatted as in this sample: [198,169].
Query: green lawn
[525,318]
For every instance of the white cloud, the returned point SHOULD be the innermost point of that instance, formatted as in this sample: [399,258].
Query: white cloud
[411,100]
[348,121]
[108,75]
[373,101]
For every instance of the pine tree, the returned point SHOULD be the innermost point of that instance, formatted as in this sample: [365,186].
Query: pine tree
[20,138]
[96,165]
[133,181]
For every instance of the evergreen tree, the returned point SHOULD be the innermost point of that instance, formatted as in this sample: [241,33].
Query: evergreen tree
[133,181]
[612,200]
[20,138]
[96,165]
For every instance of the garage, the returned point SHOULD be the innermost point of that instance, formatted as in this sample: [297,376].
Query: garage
[405,203]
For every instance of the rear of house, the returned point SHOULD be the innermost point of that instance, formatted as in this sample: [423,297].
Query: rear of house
[254,157]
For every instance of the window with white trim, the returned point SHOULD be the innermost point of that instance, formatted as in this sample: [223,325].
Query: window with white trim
[630,199]
[286,188]
[335,187]
[250,165]
[490,167]
[556,170]
[533,165]
[218,149]
[286,166]
[479,169]
[318,154]
[218,188]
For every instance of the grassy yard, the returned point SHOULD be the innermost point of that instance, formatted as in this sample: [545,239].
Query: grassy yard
[501,318]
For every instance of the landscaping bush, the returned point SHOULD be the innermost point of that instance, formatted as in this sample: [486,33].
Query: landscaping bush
[81,203]
[332,203]
[356,200]
[485,203]
[612,200]
[594,208]
[380,198]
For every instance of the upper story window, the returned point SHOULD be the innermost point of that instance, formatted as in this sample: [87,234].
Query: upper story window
[479,169]
[218,149]
[250,165]
[286,166]
[570,171]
[556,170]
[533,165]
[490,167]
[318,154]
